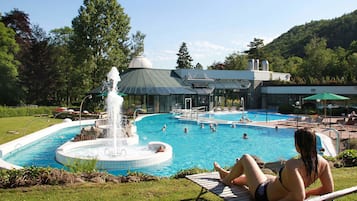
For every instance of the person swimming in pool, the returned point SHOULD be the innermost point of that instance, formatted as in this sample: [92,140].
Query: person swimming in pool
[245,136]
[164,128]
[293,178]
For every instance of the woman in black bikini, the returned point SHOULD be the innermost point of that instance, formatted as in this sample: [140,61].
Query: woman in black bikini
[290,185]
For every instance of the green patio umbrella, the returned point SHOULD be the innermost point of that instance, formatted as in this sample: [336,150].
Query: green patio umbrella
[325,97]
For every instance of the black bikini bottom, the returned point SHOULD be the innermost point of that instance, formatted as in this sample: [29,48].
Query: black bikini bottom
[261,192]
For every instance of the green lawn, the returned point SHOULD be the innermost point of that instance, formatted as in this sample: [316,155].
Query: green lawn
[165,189]
[16,127]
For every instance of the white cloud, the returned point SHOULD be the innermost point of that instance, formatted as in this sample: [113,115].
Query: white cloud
[162,55]
[204,46]
[204,52]
[240,45]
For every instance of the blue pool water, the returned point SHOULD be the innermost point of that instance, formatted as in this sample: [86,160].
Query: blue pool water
[42,152]
[198,148]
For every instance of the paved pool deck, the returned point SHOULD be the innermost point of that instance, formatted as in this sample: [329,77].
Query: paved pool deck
[346,131]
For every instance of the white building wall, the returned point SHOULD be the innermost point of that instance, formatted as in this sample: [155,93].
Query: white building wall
[269,75]
[341,90]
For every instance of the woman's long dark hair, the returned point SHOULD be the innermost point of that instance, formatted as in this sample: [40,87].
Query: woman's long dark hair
[305,139]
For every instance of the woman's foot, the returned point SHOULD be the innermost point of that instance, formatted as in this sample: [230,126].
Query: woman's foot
[222,172]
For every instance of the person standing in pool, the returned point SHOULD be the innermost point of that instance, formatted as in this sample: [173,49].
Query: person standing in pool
[293,179]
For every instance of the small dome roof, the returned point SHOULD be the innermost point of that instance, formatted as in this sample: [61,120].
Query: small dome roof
[140,62]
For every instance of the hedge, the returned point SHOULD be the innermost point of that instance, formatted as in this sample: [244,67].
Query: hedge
[25,111]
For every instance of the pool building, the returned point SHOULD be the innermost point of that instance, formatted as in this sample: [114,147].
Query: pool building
[162,90]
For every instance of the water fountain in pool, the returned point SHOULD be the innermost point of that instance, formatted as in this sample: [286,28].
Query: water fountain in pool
[120,149]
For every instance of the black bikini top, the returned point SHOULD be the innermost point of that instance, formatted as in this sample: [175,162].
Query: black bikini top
[280,176]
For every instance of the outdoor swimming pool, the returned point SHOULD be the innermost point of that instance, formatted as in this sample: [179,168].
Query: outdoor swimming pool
[198,148]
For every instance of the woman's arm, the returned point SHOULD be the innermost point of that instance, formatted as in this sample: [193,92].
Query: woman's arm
[326,179]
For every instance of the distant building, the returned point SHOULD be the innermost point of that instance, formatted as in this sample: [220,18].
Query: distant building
[160,90]
[275,96]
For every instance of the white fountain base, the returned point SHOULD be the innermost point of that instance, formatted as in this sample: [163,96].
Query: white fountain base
[128,156]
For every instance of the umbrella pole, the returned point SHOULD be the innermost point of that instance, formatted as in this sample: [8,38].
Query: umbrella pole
[325,108]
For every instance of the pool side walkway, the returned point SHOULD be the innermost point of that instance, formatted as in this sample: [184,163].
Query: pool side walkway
[327,128]
[346,132]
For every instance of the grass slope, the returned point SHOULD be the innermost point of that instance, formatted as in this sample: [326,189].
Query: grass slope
[23,126]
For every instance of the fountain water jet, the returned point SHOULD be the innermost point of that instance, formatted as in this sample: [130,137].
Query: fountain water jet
[118,151]
[114,104]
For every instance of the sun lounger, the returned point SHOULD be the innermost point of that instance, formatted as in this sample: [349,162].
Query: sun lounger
[210,182]
[334,195]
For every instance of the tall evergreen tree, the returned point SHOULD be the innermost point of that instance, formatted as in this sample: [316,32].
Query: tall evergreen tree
[184,59]
[255,49]
[100,40]
[137,44]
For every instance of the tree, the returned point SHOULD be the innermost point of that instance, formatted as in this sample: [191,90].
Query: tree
[236,61]
[184,59]
[8,67]
[351,72]
[69,85]
[216,66]
[198,66]
[293,65]
[353,47]
[255,49]
[317,59]
[100,40]
[137,44]
[40,75]
[20,23]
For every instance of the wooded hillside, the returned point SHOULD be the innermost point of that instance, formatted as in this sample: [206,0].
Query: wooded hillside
[338,32]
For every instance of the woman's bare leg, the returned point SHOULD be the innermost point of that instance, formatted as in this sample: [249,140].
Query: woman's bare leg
[247,166]
[241,180]
[222,172]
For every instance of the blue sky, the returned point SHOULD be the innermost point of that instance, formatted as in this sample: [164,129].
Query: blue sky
[212,29]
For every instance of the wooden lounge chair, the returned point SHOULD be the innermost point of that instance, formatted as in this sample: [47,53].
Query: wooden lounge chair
[210,182]
[334,195]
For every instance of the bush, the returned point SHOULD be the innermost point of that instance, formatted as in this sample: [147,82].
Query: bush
[183,173]
[33,176]
[25,177]
[24,111]
[286,109]
[85,166]
[353,143]
[330,158]
[348,157]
